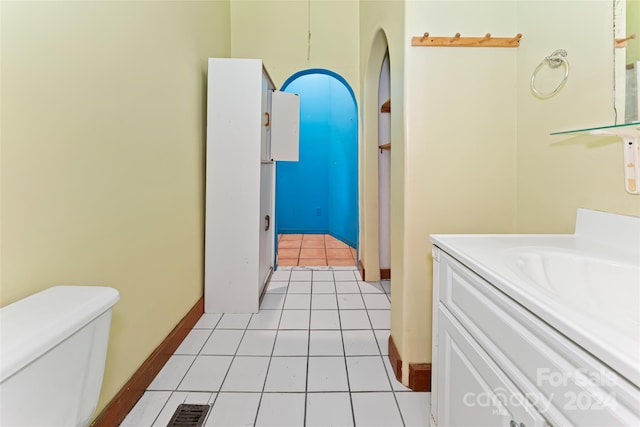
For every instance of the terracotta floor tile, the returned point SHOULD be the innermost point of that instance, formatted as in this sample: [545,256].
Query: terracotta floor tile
[337,244]
[312,253]
[312,244]
[289,244]
[288,253]
[312,262]
[341,262]
[339,253]
[284,237]
[313,237]
[309,250]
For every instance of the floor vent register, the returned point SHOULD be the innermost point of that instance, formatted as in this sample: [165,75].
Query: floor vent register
[189,416]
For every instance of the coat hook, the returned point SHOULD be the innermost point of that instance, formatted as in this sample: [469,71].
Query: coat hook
[516,39]
[456,37]
[623,42]
[424,36]
[485,38]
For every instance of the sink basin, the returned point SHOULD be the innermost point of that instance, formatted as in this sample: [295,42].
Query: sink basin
[597,287]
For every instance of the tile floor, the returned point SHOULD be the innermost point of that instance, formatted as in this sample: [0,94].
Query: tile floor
[314,250]
[314,355]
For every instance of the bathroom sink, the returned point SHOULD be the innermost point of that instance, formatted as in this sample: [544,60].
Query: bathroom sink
[596,287]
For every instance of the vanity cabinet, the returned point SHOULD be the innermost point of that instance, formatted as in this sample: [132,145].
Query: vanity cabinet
[249,126]
[495,363]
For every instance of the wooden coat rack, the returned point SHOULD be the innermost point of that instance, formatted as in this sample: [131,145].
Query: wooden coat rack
[456,41]
[623,41]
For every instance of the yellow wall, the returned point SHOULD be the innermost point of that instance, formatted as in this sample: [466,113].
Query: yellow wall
[556,174]
[460,146]
[476,152]
[278,32]
[103,125]
[633,27]
[382,26]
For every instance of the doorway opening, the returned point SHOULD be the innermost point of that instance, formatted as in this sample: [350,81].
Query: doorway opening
[384,169]
[317,197]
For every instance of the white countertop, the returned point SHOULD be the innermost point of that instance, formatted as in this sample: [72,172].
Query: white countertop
[486,255]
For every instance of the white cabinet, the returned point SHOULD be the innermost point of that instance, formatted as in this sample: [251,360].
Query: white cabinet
[472,390]
[497,364]
[244,130]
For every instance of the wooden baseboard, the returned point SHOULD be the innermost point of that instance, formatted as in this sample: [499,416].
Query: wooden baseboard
[118,408]
[419,373]
[394,358]
[420,376]
[385,273]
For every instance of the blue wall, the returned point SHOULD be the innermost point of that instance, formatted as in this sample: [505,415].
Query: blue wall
[319,193]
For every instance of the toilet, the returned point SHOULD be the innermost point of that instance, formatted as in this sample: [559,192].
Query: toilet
[53,347]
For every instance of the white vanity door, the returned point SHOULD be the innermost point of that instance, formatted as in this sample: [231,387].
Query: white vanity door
[473,391]
[285,126]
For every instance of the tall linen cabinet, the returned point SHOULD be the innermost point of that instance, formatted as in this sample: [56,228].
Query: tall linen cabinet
[249,126]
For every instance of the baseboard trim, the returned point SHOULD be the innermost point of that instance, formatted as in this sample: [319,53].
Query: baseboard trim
[419,373]
[385,273]
[118,408]
[394,358]
[420,376]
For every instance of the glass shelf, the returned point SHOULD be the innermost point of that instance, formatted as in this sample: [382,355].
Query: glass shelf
[611,130]
[629,133]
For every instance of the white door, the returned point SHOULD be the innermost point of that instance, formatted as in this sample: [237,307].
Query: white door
[285,126]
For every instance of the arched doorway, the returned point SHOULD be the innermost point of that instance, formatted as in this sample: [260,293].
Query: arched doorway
[384,168]
[377,241]
[319,193]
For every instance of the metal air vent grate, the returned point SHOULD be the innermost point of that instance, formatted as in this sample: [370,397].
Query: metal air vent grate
[189,416]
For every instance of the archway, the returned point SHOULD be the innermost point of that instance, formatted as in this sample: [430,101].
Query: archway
[319,193]
[375,135]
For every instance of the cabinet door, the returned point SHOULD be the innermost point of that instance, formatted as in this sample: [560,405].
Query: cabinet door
[472,390]
[265,135]
[267,188]
[285,126]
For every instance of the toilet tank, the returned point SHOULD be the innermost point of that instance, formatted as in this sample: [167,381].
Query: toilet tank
[53,347]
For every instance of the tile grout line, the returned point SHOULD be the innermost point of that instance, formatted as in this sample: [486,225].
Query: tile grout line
[187,371]
[306,380]
[214,395]
[266,375]
[344,352]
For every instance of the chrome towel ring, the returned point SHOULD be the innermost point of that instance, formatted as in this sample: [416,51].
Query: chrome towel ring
[555,60]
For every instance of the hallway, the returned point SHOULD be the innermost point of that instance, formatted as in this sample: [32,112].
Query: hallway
[315,355]
[314,250]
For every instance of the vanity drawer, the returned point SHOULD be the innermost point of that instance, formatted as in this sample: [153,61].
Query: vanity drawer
[563,381]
